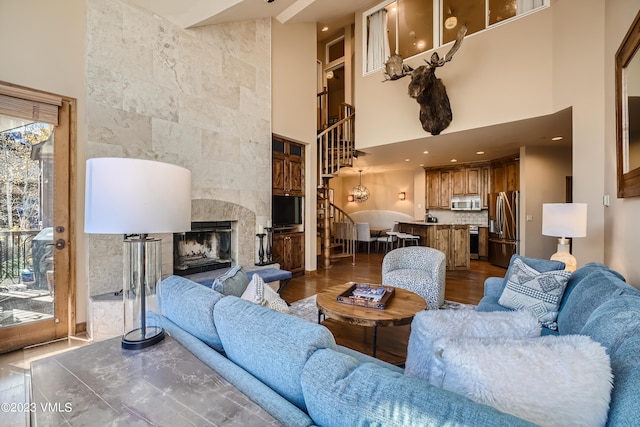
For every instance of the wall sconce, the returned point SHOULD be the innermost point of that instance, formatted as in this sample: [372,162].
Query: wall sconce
[350,198]
[402,195]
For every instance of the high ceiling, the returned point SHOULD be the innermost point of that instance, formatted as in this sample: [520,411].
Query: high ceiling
[495,141]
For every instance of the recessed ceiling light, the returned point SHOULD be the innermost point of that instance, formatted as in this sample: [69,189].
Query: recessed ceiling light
[479,152]
[425,152]
[453,160]
[407,160]
[421,164]
[557,138]
[325,29]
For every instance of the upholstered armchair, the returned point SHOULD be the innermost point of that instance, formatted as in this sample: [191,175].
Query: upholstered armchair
[418,269]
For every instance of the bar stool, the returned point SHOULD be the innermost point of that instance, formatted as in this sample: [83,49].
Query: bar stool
[406,237]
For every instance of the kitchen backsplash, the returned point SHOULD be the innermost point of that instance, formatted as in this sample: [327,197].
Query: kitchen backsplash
[461,217]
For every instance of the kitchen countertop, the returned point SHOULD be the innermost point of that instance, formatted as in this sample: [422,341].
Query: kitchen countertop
[439,223]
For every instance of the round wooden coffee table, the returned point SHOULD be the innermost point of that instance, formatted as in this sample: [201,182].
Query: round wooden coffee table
[400,310]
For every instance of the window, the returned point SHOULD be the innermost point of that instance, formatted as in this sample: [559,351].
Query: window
[410,27]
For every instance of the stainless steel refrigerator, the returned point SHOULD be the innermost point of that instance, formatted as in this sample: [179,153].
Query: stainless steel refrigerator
[503,227]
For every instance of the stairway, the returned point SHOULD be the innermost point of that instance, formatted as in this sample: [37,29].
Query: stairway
[336,149]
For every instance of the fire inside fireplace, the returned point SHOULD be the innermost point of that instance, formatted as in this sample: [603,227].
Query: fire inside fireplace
[206,247]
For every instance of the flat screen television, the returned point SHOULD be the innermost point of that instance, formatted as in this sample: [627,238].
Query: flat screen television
[286,210]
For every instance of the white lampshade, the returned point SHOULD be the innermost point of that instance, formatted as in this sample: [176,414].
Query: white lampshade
[134,196]
[564,219]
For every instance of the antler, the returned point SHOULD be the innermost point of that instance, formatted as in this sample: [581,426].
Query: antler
[436,61]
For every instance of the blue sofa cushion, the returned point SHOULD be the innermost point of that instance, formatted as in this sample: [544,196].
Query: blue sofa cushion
[595,288]
[270,345]
[341,391]
[616,325]
[190,306]
[578,275]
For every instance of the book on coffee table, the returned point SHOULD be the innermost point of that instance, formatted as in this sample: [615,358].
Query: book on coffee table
[367,295]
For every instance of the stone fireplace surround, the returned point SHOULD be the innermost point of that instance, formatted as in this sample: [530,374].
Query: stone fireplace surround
[105,313]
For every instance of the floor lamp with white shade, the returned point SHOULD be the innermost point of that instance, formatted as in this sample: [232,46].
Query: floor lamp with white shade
[136,197]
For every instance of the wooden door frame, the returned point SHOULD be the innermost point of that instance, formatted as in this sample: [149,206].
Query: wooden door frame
[65,136]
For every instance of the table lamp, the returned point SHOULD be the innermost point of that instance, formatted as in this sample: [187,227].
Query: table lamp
[135,197]
[564,220]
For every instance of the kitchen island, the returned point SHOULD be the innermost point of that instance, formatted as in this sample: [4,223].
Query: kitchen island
[451,239]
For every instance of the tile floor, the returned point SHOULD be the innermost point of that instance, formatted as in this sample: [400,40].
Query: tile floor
[15,378]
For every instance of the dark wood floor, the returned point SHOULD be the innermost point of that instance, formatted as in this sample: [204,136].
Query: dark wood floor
[461,286]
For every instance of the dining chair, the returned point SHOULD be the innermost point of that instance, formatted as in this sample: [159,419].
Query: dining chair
[363,234]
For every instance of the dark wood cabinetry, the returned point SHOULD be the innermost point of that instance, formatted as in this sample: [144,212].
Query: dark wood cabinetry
[453,241]
[288,180]
[505,174]
[445,182]
[288,251]
[483,243]
[287,167]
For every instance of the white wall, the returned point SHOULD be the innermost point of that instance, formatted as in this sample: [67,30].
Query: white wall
[293,65]
[578,81]
[621,229]
[384,189]
[543,173]
[497,76]
[43,47]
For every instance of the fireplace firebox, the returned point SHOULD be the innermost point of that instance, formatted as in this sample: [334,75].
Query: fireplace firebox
[206,247]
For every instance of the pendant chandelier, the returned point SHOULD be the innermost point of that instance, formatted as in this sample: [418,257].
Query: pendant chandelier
[360,193]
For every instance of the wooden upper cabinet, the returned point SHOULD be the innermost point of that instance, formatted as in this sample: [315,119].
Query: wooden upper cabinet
[444,183]
[505,175]
[433,190]
[473,181]
[485,186]
[458,182]
[512,176]
[445,189]
[499,179]
[287,167]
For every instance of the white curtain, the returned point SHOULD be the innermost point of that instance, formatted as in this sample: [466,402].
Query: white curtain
[527,5]
[378,43]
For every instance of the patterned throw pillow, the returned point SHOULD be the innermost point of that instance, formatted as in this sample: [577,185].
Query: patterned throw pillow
[540,293]
[262,294]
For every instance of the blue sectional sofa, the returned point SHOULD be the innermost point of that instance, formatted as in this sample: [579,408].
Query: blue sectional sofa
[597,302]
[296,372]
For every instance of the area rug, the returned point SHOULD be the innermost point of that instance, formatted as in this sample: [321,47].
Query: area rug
[306,308]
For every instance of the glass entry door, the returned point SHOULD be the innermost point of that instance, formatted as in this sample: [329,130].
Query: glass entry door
[34,230]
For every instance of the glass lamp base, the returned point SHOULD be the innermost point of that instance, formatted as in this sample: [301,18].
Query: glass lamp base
[136,340]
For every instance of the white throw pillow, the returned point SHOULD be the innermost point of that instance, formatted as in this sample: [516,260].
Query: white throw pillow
[551,381]
[540,293]
[429,325]
[260,293]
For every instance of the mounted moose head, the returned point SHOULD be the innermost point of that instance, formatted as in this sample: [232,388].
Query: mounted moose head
[430,93]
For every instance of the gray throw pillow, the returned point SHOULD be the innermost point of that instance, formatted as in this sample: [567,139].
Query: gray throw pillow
[233,282]
[540,293]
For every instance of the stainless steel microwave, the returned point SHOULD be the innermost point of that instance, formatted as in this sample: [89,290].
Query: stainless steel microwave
[466,203]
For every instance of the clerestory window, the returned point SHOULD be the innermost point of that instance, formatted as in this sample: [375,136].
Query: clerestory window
[410,27]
